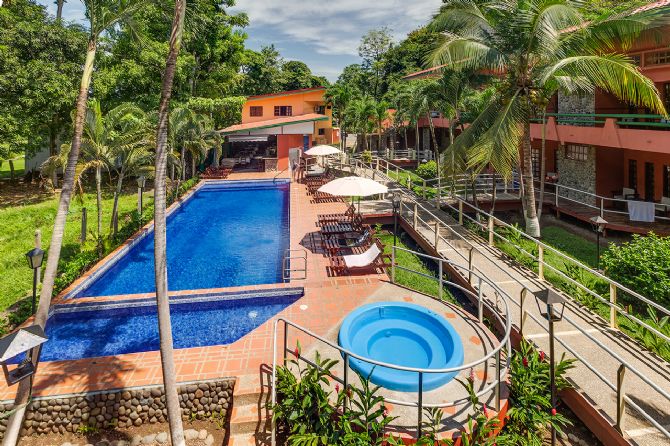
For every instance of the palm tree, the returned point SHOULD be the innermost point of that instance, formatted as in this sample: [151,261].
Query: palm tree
[102,15]
[361,112]
[537,46]
[160,242]
[426,97]
[340,96]
[381,114]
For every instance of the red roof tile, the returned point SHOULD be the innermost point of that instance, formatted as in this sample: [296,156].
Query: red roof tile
[277,122]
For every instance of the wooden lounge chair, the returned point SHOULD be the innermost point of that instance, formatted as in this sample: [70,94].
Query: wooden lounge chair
[335,245]
[346,217]
[333,229]
[372,259]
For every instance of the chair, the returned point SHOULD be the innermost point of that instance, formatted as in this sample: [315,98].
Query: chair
[664,205]
[346,217]
[627,194]
[372,259]
[334,229]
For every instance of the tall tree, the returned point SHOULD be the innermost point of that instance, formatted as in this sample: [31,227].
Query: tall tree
[374,44]
[160,229]
[102,15]
[262,71]
[381,114]
[362,113]
[40,65]
[340,96]
[536,46]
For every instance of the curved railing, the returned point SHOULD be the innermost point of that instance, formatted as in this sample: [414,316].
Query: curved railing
[498,310]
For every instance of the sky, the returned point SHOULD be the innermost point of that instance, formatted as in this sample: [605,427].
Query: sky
[322,33]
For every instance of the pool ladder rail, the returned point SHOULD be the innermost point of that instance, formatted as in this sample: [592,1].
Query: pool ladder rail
[295,261]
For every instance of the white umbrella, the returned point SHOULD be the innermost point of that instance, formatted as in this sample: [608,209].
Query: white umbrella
[353,187]
[322,150]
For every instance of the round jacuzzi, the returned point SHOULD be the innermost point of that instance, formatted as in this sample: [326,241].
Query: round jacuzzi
[401,334]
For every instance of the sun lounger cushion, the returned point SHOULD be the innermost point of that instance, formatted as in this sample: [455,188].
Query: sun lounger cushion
[362,260]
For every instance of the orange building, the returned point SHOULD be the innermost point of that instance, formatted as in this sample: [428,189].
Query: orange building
[273,124]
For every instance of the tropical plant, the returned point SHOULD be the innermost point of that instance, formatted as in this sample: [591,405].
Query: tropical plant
[642,264]
[531,411]
[102,15]
[361,112]
[428,170]
[160,230]
[340,96]
[381,114]
[190,132]
[537,47]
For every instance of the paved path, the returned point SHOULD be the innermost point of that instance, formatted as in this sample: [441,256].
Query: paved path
[579,323]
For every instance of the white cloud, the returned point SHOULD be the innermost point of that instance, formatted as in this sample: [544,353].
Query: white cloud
[335,27]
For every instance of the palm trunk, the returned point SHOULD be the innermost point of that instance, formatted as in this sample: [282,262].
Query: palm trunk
[98,203]
[453,156]
[532,222]
[25,387]
[59,9]
[160,242]
[543,163]
[416,143]
[115,206]
[183,164]
[437,152]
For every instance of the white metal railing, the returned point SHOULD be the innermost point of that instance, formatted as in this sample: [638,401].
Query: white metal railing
[603,205]
[614,286]
[500,353]
[622,399]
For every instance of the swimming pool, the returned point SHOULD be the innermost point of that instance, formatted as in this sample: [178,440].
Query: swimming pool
[131,326]
[227,233]
[405,335]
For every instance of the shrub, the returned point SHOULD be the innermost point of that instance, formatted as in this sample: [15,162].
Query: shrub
[531,411]
[643,265]
[366,156]
[428,170]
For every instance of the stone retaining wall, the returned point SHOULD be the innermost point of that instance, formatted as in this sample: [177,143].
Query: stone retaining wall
[121,408]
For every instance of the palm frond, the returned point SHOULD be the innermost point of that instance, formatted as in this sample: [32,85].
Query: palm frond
[613,73]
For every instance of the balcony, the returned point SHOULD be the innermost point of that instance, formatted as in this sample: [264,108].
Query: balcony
[648,133]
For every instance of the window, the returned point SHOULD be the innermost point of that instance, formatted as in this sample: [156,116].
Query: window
[632,174]
[320,109]
[434,114]
[649,181]
[637,59]
[666,181]
[577,153]
[283,110]
[666,95]
[657,58]
[322,132]
[255,111]
[535,158]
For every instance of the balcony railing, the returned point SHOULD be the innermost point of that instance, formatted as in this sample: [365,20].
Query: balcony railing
[598,119]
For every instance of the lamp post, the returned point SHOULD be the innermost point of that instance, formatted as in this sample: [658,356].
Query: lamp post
[24,340]
[141,180]
[396,199]
[550,298]
[35,257]
[598,224]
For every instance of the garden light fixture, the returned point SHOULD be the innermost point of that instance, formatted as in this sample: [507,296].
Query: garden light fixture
[35,257]
[21,341]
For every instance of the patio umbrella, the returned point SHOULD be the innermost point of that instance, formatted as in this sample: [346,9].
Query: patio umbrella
[353,187]
[322,150]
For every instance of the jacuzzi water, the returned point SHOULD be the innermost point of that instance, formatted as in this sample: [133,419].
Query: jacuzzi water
[228,233]
[401,334]
[114,328]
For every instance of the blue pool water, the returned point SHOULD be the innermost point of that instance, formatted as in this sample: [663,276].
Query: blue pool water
[401,334]
[113,329]
[229,233]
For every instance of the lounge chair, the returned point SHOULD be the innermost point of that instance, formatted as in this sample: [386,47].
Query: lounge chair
[664,206]
[333,229]
[371,260]
[346,217]
[335,245]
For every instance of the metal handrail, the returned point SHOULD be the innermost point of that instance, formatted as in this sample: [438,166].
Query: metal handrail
[624,365]
[502,372]
[564,256]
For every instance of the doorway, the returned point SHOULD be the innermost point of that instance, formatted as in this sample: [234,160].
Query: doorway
[649,181]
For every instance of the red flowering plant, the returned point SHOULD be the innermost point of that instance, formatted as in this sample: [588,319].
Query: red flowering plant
[531,413]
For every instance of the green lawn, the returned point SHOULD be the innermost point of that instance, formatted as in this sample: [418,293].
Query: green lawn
[19,168]
[17,229]
[415,263]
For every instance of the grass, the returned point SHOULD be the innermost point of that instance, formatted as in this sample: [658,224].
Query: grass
[19,168]
[408,279]
[17,234]
[417,182]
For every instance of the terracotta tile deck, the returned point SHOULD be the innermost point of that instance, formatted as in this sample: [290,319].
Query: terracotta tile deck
[326,301]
